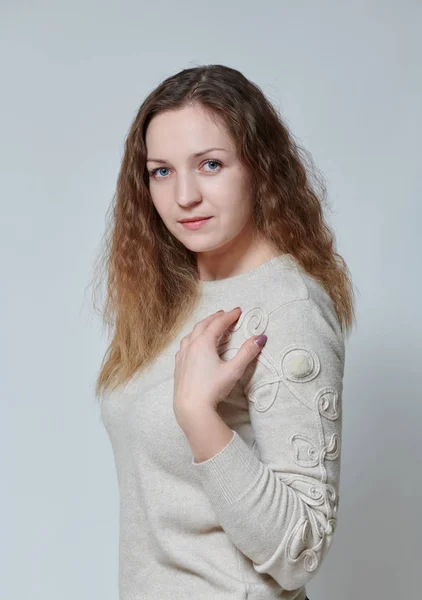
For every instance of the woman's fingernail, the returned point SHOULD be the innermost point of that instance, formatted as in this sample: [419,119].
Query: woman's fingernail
[260,340]
[237,307]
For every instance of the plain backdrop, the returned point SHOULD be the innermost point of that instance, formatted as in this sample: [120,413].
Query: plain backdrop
[346,76]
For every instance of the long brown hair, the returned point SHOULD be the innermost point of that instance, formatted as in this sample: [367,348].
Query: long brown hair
[151,277]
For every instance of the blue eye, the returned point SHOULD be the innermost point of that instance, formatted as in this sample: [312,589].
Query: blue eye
[214,161]
[154,171]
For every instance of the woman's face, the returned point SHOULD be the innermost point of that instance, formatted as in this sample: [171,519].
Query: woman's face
[212,184]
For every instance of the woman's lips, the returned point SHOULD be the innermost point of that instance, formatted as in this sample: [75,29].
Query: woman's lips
[195,224]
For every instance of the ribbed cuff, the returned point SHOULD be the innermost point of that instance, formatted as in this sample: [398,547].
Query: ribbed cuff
[230,474]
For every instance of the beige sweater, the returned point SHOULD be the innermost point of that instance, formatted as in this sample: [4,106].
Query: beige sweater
[257,519]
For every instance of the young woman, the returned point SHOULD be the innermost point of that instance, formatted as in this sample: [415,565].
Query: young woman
[221,387]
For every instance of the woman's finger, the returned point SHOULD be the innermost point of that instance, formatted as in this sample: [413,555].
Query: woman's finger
[218,326]
[199,328]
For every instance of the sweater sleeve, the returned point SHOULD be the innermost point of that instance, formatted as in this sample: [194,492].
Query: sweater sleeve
[278,500]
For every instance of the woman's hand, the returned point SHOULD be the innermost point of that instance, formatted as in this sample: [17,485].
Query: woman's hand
[201,378]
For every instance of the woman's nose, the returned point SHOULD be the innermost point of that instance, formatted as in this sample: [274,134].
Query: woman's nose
[187,189]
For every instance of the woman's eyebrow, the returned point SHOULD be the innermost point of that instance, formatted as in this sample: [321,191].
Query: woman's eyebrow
[160,160]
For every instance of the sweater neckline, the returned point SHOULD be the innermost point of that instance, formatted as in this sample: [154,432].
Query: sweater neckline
[228,284]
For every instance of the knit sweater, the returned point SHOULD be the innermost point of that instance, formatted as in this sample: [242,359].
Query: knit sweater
[257,519]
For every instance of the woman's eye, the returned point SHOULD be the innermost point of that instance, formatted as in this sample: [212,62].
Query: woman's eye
[154,171]
[210,162]
[216,162]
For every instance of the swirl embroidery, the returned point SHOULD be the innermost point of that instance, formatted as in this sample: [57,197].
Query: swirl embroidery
[298,365]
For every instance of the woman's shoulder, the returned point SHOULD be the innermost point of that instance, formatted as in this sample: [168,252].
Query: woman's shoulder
[291,284]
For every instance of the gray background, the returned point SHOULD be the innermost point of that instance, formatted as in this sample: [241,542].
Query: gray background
[346,77]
